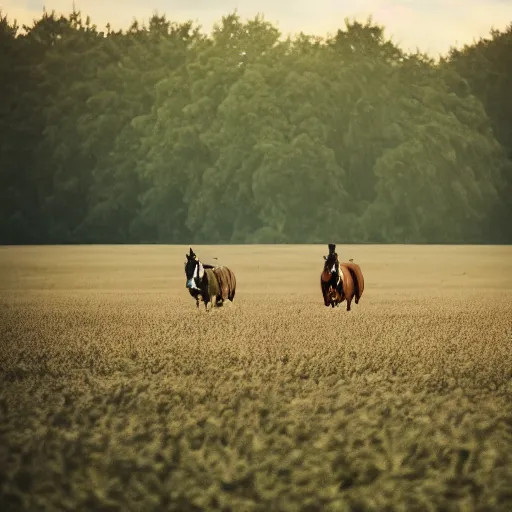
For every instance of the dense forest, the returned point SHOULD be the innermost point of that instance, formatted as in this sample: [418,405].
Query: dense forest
[162,133]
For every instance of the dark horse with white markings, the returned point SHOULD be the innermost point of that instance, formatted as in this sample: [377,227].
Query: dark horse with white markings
[340,281]
[209,283]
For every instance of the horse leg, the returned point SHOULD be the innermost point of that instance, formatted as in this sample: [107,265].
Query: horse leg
[332,298]
[348,303]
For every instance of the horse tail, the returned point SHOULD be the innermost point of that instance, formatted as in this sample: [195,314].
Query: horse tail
[232,287]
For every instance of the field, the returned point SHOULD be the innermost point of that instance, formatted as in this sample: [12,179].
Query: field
[117,394]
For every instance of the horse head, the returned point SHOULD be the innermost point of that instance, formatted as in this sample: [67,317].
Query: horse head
[194,271]
[331,264]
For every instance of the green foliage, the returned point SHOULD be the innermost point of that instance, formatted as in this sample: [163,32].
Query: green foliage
[164,134]
[485,69]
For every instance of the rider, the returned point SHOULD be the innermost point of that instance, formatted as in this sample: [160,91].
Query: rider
[334,256]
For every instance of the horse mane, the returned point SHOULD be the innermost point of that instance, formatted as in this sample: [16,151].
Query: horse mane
[206,265]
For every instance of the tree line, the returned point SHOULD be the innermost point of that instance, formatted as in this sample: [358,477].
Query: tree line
[162,133]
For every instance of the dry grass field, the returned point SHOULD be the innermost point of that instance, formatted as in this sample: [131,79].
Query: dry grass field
[117,394]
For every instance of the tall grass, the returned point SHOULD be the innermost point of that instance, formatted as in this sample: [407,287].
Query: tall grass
[117,394]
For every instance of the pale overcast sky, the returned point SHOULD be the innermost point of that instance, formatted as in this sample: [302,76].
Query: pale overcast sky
[431,25]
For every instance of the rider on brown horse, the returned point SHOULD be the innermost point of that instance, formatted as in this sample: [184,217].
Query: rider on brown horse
[340,281]
[332,277]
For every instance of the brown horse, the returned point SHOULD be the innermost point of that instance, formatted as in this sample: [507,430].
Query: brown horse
[340,281]
[208,283]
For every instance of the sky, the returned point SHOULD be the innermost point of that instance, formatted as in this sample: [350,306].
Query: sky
[430,25]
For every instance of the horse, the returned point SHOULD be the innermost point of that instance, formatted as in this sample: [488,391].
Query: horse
[211,284]
[340,281]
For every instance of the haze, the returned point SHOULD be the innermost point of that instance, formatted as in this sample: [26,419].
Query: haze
[431,26]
